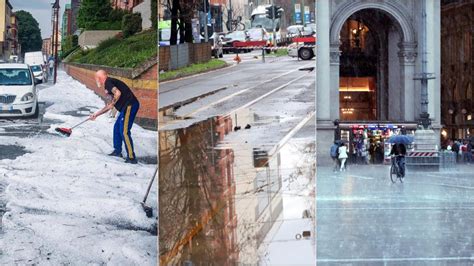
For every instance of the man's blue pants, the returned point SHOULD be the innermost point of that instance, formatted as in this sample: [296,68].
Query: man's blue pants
[122,130]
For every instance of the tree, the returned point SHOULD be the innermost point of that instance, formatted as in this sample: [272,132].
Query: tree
[131,24]
[29,33]
[93,12]
[154,14]
[182,13]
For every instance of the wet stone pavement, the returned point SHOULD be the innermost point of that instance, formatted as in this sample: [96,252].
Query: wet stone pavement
[364,219]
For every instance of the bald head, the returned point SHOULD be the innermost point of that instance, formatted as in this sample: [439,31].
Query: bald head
[100,77]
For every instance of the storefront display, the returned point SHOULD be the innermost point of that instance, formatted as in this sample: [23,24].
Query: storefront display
[368,142]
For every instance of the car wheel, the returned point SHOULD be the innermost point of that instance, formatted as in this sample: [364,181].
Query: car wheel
[305,54]
[36,114]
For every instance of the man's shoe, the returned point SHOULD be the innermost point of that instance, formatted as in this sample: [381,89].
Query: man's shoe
[115,154]
[132,161]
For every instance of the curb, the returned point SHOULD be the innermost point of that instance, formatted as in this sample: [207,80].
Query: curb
[182,77]
[190,100]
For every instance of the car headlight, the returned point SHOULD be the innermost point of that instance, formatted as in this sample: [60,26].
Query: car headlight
[27,97]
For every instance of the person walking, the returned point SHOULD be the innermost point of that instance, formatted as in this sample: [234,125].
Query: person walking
[464,152]
[51,66]
[343,156]
[469,151]
[127,104]
[455,149]
[334,155]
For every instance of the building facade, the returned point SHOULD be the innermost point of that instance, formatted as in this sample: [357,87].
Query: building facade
[75,5]
[15,45]
[457,68]
[66,25]
[368,59]
[6,40]
[126,4]
[46,48]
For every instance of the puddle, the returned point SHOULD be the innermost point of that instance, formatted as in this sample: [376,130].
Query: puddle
[148,160]
[11,151]
[81,112]
[27,127]
[225,194]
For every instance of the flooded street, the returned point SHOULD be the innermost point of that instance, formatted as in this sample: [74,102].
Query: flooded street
[236,179]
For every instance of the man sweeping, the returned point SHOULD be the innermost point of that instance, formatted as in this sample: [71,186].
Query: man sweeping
[127,104]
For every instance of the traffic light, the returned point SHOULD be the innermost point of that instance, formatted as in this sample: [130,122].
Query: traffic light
[269,12]
[278,11]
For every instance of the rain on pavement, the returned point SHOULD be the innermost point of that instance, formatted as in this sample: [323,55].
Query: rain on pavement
[365,219]
[237,168]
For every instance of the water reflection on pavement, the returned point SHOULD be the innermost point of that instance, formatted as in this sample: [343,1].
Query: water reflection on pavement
[229,195]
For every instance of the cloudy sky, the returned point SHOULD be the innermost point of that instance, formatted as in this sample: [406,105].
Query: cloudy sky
[41,11]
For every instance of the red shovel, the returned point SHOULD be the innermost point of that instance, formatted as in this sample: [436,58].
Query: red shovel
[68,131]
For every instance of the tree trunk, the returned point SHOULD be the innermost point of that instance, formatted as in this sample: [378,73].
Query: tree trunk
[174,22]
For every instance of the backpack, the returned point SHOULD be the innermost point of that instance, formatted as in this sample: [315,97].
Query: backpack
[334,151]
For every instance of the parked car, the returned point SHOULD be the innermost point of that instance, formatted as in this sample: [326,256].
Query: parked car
[18,93]
[302,51]
[258,34]
[37,62]
[217,47]
[300,31]
[234,36]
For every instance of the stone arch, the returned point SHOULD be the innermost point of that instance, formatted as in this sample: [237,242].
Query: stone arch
[394,10]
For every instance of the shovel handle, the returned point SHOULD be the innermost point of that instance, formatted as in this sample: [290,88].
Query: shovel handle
[149,185]
[80,123]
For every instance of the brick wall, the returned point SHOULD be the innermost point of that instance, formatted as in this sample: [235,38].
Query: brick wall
[144,86]
[171,57]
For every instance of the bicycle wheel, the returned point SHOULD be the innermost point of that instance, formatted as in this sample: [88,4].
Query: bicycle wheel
[393,173]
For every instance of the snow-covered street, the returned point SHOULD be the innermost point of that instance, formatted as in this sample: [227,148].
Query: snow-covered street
[66,201]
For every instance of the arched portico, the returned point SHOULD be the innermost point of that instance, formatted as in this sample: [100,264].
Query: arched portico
[398,61]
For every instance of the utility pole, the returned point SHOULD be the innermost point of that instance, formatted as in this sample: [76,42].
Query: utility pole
[206,34]
[56,38]
[304,13]
[424,76]
[273,23]
[229,16]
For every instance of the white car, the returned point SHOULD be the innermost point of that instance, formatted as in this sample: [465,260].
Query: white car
[18,93]
[38,73]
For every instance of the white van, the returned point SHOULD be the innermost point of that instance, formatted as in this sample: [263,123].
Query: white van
[18,93]
[36,61]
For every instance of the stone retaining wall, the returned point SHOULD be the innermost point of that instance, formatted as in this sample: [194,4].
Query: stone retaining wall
[178,56]
[142,81]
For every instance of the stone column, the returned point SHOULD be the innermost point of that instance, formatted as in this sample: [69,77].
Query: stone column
[335,54]
[433,55]
[323,82]
[407,56]
[325,74]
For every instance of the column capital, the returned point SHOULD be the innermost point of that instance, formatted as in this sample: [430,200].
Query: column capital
[407,53]
[335,53]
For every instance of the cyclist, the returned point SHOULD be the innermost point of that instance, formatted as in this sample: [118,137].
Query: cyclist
[399,150]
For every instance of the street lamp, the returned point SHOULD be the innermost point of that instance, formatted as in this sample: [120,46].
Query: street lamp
[56,39]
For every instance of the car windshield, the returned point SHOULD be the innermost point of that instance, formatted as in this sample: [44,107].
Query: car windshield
[261,20]
[11,77]
[236,35]
[165,34]
[294,30]
[35,68]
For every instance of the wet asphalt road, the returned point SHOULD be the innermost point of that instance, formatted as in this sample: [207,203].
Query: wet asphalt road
[364,219]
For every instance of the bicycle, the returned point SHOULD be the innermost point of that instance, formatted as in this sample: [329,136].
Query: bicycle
[235,24]
[395,171]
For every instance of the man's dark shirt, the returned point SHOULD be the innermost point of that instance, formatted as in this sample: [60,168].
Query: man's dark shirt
[126,95]
[398,149]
